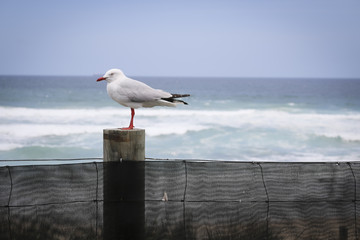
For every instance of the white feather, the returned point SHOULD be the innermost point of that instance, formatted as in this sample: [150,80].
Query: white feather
[132,93]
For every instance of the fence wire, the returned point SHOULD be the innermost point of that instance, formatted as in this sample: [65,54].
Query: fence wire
[180,200]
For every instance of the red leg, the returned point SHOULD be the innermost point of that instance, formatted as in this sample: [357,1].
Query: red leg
[131,126]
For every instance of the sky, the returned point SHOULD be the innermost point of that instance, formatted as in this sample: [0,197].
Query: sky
[269,38]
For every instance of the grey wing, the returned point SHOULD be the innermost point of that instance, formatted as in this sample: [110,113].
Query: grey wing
[140,92]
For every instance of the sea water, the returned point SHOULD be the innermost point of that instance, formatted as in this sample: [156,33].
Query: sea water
[243,119]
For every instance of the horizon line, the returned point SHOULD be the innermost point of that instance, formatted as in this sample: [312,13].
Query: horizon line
[174,76]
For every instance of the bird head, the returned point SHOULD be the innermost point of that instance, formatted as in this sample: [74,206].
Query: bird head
[112,75]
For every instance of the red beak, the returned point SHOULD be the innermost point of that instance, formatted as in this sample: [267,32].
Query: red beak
[100,79]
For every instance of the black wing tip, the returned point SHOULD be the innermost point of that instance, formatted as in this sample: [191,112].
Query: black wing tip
[181,101]
[175,95]
[173,99]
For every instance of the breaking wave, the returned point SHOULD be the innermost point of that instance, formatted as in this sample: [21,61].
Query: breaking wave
[230,130]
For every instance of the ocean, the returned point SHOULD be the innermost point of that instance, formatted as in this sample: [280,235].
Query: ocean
[235,119]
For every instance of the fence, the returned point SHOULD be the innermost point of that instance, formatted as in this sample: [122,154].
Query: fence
[180,200]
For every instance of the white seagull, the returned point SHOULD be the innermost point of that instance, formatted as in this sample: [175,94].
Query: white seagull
[134,94]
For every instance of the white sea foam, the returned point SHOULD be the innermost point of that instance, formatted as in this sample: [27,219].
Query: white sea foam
[245,134]
[303,157]
[43,130]
[27,122]
[9,146]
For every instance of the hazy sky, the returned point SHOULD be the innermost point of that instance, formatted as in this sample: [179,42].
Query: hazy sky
[289,38]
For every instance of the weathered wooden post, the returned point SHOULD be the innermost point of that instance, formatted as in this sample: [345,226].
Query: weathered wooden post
[124,184]
[124,145]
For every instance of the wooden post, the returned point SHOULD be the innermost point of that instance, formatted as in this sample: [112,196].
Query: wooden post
[124,184]
[124,145]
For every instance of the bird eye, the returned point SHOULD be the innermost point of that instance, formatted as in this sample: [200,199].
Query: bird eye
[111,74]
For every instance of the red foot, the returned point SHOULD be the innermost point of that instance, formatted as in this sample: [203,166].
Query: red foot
[127,128]
[131,126]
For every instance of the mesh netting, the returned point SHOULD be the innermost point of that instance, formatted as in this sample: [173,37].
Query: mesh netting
[180,200]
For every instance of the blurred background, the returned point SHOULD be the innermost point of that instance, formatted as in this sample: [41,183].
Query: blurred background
[269,80]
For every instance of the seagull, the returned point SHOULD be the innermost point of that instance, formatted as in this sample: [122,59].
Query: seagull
[135,94]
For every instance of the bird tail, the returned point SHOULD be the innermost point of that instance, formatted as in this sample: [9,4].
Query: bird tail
[173,99]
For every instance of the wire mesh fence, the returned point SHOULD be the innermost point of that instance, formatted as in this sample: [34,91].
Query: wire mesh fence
[180,200]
